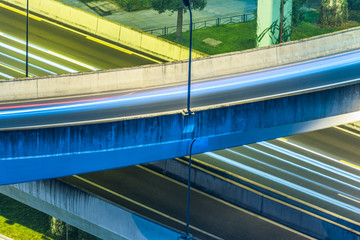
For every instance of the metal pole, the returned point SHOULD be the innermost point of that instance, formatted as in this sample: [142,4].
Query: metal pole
[188,235]
[281,20]
[27,39]
[189,76]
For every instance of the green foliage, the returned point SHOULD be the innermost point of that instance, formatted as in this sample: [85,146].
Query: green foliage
[298,12]
[354,4]
[173,5]
[333,16]
[133,5]
[22,222]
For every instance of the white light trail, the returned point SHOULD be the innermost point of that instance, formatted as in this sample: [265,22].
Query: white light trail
[285,182]
[32,65]
[6,76]
[50,52]
[302,167]
[312,161]
[37,58]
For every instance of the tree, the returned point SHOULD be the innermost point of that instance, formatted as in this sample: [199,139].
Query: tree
[177,5]
[333,13]
[298,12]
[354,4]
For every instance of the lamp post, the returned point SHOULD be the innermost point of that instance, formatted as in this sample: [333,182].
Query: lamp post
[187,4]
[187,234]
[27,40]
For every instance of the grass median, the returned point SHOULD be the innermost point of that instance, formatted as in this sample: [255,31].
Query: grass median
[242,36]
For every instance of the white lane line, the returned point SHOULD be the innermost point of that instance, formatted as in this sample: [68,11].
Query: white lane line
[285,182]
[144,206]
[37,58]
[32,65]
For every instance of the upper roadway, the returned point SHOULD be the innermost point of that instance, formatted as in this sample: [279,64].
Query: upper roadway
[55,49]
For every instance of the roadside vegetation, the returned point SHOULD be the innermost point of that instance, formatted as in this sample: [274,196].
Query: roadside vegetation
[21,222]
[242,36]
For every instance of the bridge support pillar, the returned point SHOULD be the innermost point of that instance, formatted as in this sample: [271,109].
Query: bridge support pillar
[271,14]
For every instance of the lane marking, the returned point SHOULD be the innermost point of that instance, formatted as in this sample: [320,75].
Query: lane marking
[14,69]
[143,206]
[272,190]
[221,201]
[351,164]
[109,45]
[348,131]
[19,11]
[350,198]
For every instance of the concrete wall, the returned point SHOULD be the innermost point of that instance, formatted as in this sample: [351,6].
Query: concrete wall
[34,154]
[176,73]
[107,29]
[280,208]
[86,212]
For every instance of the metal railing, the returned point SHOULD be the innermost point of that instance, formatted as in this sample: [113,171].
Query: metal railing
[203,24]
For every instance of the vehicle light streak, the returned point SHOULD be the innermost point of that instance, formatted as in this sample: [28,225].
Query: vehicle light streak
[287,172]
[314,162]
[6,76]
[37,58]
[302,167]
[49,52]
[32,65]
[199,89]
[285,183]
[15,69]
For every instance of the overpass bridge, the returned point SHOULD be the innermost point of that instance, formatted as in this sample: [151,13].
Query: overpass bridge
[231,108]
[41,137]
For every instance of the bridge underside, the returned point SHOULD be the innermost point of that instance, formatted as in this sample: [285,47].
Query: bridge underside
[35,154]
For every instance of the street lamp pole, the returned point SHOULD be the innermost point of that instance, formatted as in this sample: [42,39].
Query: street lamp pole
[27,40]
[187,4]
[187,234]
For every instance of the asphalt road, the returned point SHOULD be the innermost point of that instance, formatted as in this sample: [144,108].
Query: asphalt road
[320,169]
[165,201]
[55,49]
[303,77]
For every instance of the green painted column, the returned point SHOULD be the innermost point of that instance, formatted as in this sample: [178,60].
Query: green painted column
[269,22]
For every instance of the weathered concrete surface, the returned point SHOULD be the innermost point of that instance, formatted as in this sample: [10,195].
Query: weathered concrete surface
[53,152]
[86,212]
[280,208]
[107,29]
[176,73]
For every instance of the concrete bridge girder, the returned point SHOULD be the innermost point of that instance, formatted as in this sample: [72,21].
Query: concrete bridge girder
[54,152]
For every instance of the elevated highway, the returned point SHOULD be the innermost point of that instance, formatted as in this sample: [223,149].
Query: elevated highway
[51,136]
[229,111]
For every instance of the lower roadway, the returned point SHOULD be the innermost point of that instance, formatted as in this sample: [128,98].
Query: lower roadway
[319,169]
